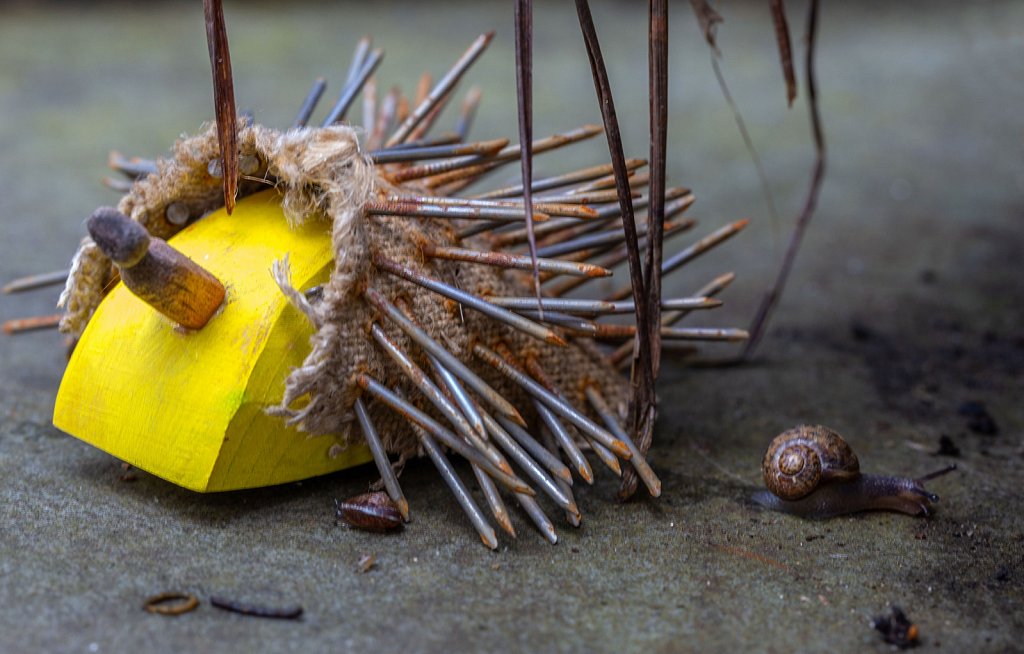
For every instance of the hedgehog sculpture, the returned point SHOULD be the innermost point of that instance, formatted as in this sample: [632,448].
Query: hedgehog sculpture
[425,333]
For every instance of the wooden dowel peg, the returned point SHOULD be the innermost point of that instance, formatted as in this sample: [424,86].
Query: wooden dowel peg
[155,272]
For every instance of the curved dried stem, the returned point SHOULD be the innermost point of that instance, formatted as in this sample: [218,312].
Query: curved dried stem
[771,298]
[642,401]
[524,88]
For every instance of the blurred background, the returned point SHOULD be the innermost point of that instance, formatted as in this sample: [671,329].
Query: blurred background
[904,304]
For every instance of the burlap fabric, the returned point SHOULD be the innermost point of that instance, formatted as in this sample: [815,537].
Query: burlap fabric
[323,175]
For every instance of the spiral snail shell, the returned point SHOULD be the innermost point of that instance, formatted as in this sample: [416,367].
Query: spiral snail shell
[812,472]
[800,459]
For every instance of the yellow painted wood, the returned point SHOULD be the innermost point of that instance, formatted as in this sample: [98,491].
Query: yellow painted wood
[188,406]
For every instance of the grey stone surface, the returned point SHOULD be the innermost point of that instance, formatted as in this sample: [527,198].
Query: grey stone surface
[905,303]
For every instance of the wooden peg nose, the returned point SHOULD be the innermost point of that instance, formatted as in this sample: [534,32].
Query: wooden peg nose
[159,275]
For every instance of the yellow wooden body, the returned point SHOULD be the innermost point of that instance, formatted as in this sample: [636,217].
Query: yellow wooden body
[188,406]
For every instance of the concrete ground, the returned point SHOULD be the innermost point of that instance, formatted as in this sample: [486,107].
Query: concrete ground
[905,304]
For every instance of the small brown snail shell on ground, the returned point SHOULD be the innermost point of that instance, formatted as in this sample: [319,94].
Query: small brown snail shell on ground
[370,512]
[812,472]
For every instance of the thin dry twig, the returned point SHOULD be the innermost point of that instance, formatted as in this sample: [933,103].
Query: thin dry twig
[658,98]
[658,84]
[255,610]
[642,374]
[771,298]
[785,48]
[709,20]
[223,98]
[524,88]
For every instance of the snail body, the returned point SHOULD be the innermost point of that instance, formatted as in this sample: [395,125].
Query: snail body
[811,471]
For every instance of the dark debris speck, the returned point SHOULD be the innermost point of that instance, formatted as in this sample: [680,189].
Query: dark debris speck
[896,628]
[979,420]
[947,447]
[861,332]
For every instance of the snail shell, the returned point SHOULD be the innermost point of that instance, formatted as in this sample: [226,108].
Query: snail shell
[802,458]
[370,512]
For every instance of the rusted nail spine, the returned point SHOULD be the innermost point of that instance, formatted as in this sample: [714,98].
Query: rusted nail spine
[32,282]
[19,325]
[380,457]
[309,104]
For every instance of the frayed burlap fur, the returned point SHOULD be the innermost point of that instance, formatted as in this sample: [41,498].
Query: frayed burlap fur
[322,172]
[317,170]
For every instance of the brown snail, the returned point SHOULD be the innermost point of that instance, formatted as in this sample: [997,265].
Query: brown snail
[369,512]
[812,472]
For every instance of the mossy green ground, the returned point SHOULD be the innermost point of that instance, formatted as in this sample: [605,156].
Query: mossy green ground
[904,304]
